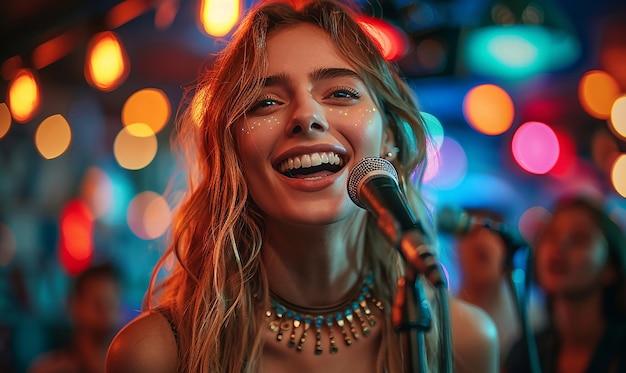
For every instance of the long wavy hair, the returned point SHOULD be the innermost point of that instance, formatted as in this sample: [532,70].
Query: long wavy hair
[214,287]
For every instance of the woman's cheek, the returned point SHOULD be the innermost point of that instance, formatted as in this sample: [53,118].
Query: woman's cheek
[252,127]
[361,126]
[357,117]
[257,134]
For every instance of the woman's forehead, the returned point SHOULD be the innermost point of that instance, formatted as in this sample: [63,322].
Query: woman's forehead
[302,44]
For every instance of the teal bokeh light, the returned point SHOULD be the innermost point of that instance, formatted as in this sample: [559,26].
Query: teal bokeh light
[519,51]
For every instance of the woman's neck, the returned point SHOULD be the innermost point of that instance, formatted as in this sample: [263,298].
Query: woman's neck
[486,296]
[579,321]
[314,266]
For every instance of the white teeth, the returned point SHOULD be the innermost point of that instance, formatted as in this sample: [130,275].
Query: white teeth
[310,160]
[316,159]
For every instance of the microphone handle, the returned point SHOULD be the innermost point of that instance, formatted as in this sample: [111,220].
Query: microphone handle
[384,199]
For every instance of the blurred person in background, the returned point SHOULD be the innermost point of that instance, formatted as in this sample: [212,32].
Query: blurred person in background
[95,314]
[485,264]
[580,264]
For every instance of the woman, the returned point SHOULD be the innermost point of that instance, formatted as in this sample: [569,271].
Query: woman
[581,266]
[485,265]
[267,233]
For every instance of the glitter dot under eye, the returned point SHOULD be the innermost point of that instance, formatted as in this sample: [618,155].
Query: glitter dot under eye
[265,123]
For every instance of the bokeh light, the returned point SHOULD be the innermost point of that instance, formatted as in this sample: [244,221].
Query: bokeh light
[618,117]
[531,222]
[618,175]
[452,165]
[123,190]
[149,106]
[535,147]
[5,119]
[148,215]
[123,12]
[53,49]
[567,155]
[391,40]
[8,245]
[433,163]
[76,244]
[489,109]
[434,127]
[24,96]
[96,190]
[53,136]
[597,91]
[218,17]
[434,142]
[135,146]
[107,64]
[518,51]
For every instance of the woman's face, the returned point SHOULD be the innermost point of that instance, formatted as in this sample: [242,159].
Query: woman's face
[481,256]
[313,121]
[572,255]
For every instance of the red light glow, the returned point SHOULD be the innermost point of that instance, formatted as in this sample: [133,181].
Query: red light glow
[392,41]
[76,246]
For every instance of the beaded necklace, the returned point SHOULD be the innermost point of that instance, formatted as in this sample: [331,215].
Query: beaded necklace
[285,317]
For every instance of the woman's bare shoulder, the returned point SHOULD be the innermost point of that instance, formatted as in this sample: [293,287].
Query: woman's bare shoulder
[474,338]
[146,344]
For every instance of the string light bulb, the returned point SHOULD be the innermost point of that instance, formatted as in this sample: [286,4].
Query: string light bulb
[24,96]
[107,64]
[218,17]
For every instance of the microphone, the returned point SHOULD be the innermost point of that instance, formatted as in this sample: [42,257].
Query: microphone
[373,186]
[458,222]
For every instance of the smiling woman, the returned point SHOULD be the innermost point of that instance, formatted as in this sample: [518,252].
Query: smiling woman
[268,245]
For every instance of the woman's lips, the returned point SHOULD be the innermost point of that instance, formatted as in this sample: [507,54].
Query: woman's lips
[312,182]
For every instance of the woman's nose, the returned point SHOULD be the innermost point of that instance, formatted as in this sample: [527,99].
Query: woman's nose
[559,243]
[308,118]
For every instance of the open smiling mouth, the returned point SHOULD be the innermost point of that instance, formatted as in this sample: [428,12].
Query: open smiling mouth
[318,164]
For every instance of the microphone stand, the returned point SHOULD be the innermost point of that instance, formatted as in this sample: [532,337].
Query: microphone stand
[521,304]
[413,318]
[411,312]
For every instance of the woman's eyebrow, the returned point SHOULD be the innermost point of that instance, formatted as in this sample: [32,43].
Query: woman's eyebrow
[276,80]
[333,72]
[316,75]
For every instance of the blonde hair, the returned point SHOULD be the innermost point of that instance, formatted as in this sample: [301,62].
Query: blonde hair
[217,289]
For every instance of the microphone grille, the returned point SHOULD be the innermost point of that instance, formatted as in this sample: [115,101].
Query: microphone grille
[365,169]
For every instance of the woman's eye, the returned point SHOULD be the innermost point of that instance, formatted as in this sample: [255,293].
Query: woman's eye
[345,92]
[263,103]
